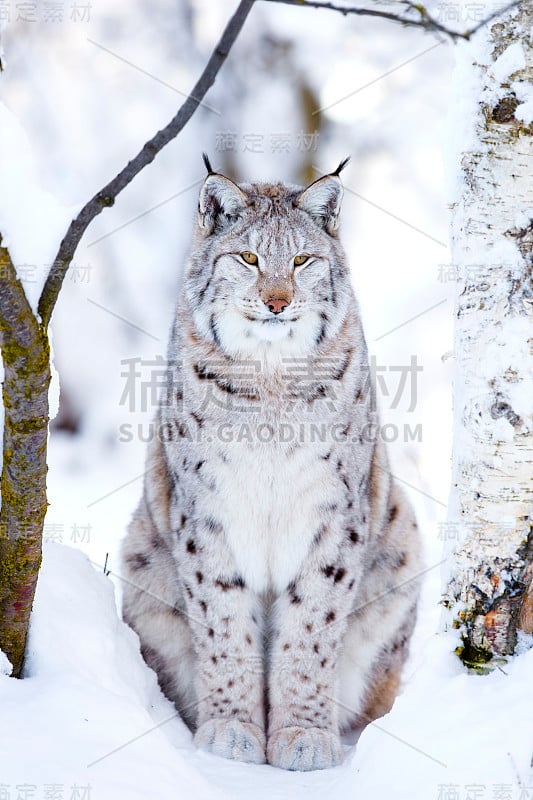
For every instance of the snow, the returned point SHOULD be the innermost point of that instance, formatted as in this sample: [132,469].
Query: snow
[511,60]
[86,692]
[460,123]
[5,664]
[32,222]
[466,728]
[97,718]
[524,218]
[503,431]
[54,389]
[524,111]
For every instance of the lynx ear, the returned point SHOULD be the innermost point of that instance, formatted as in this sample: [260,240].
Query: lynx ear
[322,199]
[220,203]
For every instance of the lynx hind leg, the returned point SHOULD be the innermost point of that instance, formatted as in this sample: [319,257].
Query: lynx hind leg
[376,644]
[151,599]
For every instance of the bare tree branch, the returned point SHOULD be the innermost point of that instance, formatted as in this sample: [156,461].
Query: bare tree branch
[106,196]
[413,15]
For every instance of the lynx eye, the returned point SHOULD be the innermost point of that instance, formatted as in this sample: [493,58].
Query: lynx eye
[250,258]
[301,259]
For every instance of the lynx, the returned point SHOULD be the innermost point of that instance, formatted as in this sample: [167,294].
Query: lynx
[271,567]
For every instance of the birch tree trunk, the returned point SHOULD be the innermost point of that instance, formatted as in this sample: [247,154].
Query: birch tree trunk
[490,589]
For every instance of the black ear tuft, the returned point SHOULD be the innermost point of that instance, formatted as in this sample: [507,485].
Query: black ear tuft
[341,166]
[207,163]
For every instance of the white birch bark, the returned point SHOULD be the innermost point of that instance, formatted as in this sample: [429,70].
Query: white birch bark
[489,590]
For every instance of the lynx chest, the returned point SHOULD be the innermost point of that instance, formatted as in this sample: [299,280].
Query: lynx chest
[268,498]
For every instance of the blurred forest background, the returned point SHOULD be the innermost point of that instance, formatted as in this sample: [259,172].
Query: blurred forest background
[90,83]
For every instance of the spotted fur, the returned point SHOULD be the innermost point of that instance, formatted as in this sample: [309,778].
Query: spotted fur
[271,567]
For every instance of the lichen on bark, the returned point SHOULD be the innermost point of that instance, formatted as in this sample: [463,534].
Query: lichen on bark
[26,359]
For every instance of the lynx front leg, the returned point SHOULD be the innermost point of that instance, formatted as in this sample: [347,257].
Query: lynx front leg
[310,621]
[224,615]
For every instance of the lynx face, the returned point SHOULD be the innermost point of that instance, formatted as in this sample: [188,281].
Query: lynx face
[268,265]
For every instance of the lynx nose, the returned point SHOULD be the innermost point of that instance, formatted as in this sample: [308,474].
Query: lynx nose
[277,304]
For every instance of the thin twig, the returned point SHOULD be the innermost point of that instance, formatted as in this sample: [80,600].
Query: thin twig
[423,18]
[106,196]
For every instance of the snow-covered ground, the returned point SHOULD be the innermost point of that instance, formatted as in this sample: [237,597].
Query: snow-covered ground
[79,97]
[90,720]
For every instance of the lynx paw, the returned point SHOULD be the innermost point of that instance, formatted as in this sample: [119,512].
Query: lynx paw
[304,749]
[230,738]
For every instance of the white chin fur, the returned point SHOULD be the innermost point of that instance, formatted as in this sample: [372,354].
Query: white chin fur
[270,331]
[241,337]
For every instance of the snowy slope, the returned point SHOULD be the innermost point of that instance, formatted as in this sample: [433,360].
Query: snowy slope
[89,714]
